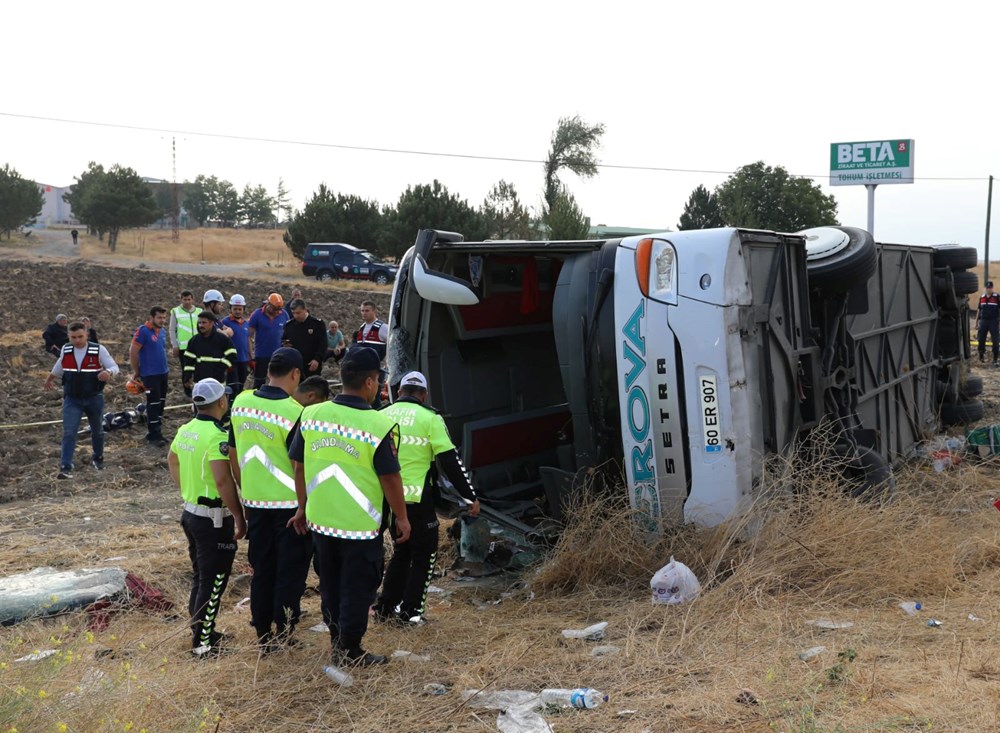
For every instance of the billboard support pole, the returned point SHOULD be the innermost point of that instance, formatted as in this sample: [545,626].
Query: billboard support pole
[871,207]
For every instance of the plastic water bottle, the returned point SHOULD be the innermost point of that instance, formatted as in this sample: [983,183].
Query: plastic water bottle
[910,608]
[581,697]
[338,675]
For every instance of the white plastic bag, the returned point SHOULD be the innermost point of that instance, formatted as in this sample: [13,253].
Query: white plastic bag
[674,583]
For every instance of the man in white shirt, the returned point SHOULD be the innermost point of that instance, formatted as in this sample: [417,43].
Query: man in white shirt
[85,368]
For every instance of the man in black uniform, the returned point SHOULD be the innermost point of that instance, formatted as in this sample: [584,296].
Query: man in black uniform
[209,354]
[988,322]
[424,439]
[306,334]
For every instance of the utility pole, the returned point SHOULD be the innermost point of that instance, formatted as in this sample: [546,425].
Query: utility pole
[989,210]
[175,212]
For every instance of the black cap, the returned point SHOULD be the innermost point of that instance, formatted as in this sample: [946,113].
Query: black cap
[361,359]
[286,356]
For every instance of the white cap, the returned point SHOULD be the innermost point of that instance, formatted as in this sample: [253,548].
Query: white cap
[237,299]
[413,379]
[208,391]
[213,296]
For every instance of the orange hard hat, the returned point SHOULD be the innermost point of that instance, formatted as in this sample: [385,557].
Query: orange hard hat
[276,300]
[136,387]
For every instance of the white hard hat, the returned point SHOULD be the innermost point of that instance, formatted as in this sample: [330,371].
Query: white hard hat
[237,299]
[213,296]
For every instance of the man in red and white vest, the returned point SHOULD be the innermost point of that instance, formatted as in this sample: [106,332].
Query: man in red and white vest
[372,332]
[85,368]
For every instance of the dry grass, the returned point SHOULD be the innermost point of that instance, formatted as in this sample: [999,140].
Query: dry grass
[815,555]
[213,246]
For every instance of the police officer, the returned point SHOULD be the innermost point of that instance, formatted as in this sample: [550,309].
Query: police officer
[213,518]
[259,434]
[84,367]
[424,437]
[988,322]
[344,456]
[372,332]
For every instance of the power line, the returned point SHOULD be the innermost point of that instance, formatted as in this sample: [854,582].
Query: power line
[403,151]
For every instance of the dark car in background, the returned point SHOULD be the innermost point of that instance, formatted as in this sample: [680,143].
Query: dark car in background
[329,261]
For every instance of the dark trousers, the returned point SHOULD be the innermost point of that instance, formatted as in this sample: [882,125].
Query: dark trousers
[349,574]
[212,551]
[260,371]
[237,378]
[410,569]
[991,327]
[156,398]
[280,561]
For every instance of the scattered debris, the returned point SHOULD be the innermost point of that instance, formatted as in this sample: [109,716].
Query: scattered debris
[47,591]
[974,617]
[674,583]
[320,628]
[37,656]
[591,633]
[605,650]
[339,676]
[435,688]
[243,605]
[410,656]
[746,697]
[435,589]
[910,608]
[828,625]
[626,713]
[811,652]
[934,623]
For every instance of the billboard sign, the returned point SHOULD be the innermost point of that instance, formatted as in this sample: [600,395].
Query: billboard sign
[873,162]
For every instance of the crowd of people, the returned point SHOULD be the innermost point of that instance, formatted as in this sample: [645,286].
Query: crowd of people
[305,478]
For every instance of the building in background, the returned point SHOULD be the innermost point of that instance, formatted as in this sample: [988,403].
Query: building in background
[54,209]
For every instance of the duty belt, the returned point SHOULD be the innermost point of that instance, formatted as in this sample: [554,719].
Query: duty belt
[216,514]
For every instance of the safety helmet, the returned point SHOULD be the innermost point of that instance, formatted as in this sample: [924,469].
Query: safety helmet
[213,296]
[276,300]
[134,386]
[237,299]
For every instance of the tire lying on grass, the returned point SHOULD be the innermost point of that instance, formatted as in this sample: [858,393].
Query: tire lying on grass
[838,258]
[970,387]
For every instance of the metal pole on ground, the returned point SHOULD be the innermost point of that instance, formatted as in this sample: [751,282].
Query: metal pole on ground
[989,210]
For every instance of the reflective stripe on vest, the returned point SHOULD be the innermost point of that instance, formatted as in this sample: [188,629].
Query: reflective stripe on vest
[418,425]
[80,380]
[345,493]
[196,445]
[187,325]
[261,428]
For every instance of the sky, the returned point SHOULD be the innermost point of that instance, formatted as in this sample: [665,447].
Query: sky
[696,86]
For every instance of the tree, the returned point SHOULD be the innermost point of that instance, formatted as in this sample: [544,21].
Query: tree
[701,211]
[505,217]
[428,207]
[227,204]
[118,200]
[330,217]
[74,197]
[573,145]
[21,201]
[201,198]
[565,219]
[758,196]
[281,201]
[256,206]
